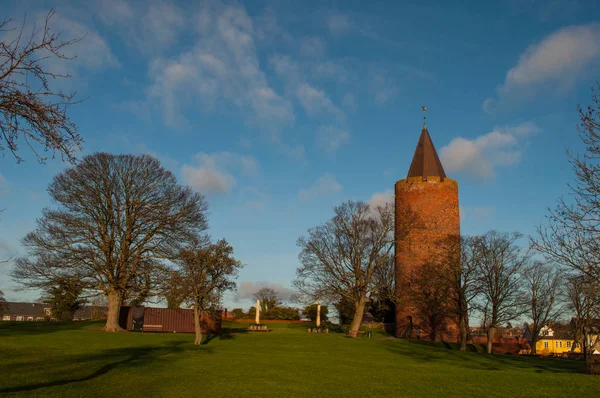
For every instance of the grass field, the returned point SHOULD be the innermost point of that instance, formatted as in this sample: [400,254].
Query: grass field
[79,360]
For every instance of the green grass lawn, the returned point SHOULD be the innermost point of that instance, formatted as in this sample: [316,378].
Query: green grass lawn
[80,360]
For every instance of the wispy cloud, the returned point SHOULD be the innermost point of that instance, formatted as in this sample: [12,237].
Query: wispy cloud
[482,155]
[222,66]
[331,138]
[381,198]
[4,189]
[477,214]
[213,173]
[342,24]
[324,186]
[557,62]
[247,289]
[150,27]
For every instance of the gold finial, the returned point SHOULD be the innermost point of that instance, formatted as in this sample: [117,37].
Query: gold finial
[424,115]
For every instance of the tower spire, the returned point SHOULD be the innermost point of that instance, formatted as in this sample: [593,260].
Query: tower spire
[424,116]
[426,162]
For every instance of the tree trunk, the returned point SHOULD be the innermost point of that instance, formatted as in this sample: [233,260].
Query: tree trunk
[462,324]
[533,344]
[197,328]
[114,308]
[491,334]
[433,330]
[358,315]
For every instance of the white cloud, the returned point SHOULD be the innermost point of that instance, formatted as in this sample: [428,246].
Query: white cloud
[381,198]
[253,200]
[316,103]
[479,214]
[151,28]
[339,24]
[382,86]
[558,61]
[246,290]
[212,173]
[325,185]
[222,66]
[330,138]
[4,189]
[349,101]
[482,155]
[312,47]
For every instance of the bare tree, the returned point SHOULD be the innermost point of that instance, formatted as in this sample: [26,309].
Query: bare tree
[543,294]
[339,258]
[583,299]
[430,289]
[206,274]
[462,262]
[30,110]
[500,265]
[117,217]
[173,289]
[383,294]
[2,303]
[268,297]
[571,236]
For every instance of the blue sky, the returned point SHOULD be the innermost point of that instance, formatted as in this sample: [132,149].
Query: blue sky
[277,111]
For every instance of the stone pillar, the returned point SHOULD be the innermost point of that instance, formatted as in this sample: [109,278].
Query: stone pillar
[257,312]
[319,313]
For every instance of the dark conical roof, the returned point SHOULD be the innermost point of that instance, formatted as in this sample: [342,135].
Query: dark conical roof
[426,162]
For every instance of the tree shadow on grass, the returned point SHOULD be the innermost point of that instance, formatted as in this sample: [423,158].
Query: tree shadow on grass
[428,351]
[119,358]
[34,328]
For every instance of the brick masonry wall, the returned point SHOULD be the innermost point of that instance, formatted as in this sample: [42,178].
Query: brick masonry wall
[435,203]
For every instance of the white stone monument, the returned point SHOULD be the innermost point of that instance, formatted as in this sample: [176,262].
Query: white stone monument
[319,313]
[257,312]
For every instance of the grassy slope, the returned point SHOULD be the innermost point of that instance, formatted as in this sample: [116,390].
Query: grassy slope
[77,359]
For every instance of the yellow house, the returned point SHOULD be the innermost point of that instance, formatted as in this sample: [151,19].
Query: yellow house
[550,345]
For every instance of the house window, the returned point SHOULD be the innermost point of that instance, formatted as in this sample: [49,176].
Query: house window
[560,344]
[6,318]
[19,318]
[545,344]
[556,344]
[568,344]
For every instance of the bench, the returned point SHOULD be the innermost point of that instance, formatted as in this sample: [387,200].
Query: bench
[152,328]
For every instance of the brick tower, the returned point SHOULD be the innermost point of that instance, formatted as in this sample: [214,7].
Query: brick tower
[433,200]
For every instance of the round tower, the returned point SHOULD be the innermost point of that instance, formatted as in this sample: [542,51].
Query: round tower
[430,200]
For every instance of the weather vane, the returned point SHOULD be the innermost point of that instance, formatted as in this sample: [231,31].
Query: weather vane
[424,115]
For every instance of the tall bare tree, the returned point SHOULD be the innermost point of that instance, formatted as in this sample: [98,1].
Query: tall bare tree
[268,298]
[30,110]
[383,294]
[500,266]
[462,263]
[117,217]
[571,236]
[206,273]
[2,303]
[431,289]
[339,258]
[543,289]
[583,300]
[173,289]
